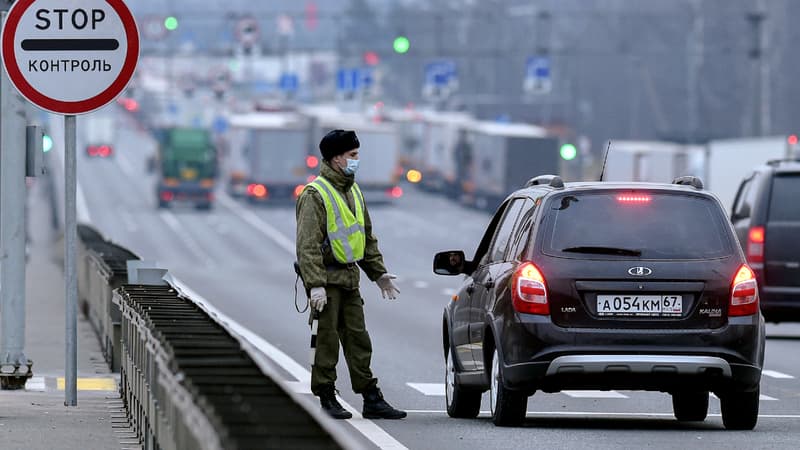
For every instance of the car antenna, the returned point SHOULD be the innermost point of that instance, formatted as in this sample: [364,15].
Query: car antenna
[605,159]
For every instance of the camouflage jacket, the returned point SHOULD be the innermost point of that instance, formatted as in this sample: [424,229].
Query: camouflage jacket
[317,263]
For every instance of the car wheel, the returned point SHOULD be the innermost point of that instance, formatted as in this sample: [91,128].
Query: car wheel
[740,409]
[507,406]
[690,406]
[461,402]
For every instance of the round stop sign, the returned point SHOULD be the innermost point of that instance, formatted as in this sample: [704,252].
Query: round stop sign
[70,57]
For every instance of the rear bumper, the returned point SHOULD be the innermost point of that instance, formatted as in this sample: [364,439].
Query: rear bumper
[666,372]
[539,355]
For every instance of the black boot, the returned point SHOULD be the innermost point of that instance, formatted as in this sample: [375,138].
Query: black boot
[375,407]
[327,399]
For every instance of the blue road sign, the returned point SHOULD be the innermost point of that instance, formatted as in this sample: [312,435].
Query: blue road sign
[440,73]
[538,67]
[220,125]
[354,79]
[289,82]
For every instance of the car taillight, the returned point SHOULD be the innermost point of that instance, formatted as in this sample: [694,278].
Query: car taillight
[529,292]
[744,293]
[167,196]
[92,150]
[298,190]
[755,245]
[395,192]
[104,151]
[257,190]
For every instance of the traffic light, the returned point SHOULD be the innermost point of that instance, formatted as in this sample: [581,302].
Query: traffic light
[47,143]
[401,44]
[568,152]
[371,58]
[171,23]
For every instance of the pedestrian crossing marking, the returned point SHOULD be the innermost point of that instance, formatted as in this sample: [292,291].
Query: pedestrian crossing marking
[91,384]
[776,374]
[762,397]
[429,389]
[594,394]
[299,387]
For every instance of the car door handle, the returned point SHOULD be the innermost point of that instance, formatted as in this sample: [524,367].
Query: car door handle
[488,284]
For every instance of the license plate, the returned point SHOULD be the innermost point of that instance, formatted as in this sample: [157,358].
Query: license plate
[640,305]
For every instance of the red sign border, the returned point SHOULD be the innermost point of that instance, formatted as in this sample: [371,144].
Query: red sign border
[58,106]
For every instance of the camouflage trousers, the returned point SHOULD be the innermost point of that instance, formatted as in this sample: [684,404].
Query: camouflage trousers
[342,320]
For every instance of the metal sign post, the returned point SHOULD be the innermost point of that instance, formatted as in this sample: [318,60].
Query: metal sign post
[70,58]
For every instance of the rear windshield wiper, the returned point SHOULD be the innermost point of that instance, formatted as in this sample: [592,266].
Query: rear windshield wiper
[603,250]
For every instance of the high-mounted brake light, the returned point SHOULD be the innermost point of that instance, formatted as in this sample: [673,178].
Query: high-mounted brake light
[633,198]
[744,293]
[529,292]
[755,245]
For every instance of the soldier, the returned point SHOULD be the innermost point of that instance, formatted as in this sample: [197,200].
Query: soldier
[334,239]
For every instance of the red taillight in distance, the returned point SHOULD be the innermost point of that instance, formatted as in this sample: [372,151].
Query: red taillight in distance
[755,247]
[529,291]
[744,293]
[257,190]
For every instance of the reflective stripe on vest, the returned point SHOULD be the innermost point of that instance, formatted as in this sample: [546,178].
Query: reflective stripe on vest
[345,229]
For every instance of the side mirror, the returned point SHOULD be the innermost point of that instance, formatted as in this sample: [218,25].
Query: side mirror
[449,263]
[743,213]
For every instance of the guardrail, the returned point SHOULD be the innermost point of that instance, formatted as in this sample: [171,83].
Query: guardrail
[189,381]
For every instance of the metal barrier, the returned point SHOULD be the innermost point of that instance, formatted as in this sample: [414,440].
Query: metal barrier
[189,384]
[102,268]
[188,381]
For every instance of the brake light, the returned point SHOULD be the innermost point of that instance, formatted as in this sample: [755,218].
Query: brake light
[257,190]
[167,196]
[633,198]
[92,150]
[755,245]
[312,161]
[395,192]
[529,292]
[298,190]
[104,151]
[744,293]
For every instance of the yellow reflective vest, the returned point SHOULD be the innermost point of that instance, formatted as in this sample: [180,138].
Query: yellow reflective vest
[345,229]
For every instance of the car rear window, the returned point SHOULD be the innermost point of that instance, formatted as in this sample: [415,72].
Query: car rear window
[636,225]
[783,205]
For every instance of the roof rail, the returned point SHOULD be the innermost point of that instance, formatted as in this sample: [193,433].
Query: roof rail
[776,162]
[694,182]
[553,181]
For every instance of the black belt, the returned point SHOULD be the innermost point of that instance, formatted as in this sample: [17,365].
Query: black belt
[339,266]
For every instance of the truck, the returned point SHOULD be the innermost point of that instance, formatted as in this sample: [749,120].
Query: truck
[499,158]
[99,135]
[186,166]
[379,172]
[729,161]
[652,161]
[444,132]
[270,156]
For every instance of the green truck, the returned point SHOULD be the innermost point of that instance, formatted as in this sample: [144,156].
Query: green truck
[186,165]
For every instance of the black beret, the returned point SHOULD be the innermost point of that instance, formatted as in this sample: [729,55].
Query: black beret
[337,142]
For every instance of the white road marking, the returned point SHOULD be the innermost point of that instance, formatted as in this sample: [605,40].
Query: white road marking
[187,239]
[594,394]
[256,222]
[595,413]
[761,397]
[366,427]
[126,165]
[776,374]
[35,384]
[300,387]
[130,223]
[429,389]
[421,284]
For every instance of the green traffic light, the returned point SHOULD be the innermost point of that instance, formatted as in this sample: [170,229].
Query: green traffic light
[401,44]
[47,143]
[568,152]
[171,23]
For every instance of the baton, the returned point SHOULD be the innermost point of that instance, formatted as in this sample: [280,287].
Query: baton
[314,322]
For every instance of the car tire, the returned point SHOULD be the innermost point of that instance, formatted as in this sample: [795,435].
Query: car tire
[690,406]
[507,406]
[462,402]
[740,409]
